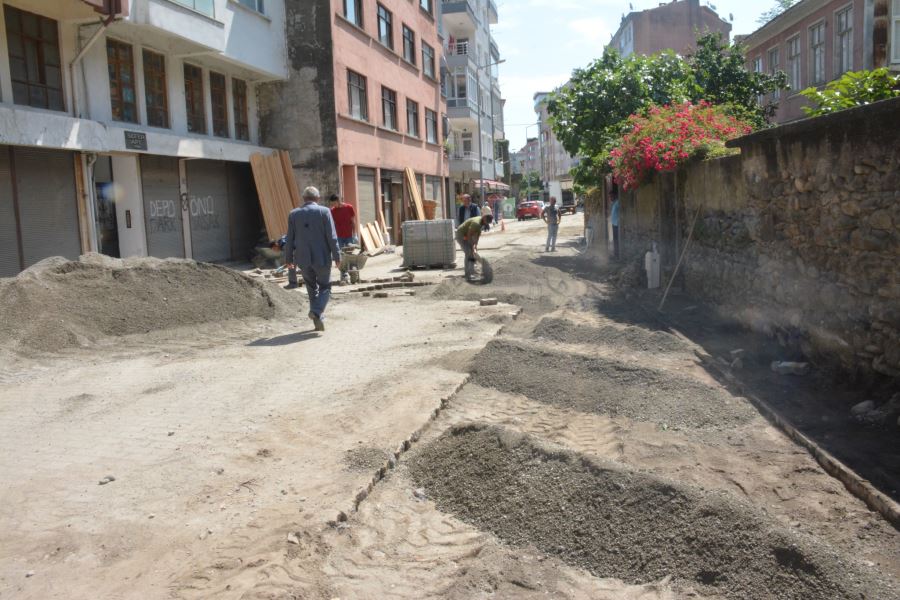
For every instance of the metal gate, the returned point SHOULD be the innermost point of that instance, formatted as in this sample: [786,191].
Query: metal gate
[366,195]
[9,236]
[245,217]
[162,206]
[207,187]
[48,211]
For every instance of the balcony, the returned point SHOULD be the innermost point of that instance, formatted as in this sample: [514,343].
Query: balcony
[493,15]
[460,16]
[463,108]
[464,162]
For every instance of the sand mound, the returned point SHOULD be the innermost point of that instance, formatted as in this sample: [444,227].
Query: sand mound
[632,338]
[605,386]
[634,526]
[59,303]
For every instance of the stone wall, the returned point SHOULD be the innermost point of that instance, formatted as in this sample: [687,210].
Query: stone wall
[798,236]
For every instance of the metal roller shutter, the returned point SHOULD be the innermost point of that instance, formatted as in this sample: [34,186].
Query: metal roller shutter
[208,205]
[162,206]
[9,237]
[366,195]
[48,210]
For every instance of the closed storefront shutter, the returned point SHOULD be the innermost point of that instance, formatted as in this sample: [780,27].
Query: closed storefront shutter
[9,237]
[48,211]
[208,207]
[162,206]
[244,212]
[366,195]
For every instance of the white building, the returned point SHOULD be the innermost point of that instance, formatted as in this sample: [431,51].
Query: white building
[131,134]
[555,164]
[474,101]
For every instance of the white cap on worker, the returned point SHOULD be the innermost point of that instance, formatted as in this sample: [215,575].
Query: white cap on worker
[311,192]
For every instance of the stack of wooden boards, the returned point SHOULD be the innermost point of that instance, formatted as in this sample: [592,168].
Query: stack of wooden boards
[374,238]
[277,190]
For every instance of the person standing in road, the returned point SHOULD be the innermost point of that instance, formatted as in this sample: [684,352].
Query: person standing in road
[344,216]
[552,217]
[614,220]
[467,236]
[467,209]
[311,246]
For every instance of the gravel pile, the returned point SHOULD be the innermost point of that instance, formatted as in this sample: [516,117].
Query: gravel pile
[633,526]
[600,385]
[632,338]
[365,459]
[58,303]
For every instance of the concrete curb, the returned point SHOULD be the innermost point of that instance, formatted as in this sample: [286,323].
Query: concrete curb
[855,484]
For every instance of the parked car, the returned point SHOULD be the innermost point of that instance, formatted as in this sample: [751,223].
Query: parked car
[529,210]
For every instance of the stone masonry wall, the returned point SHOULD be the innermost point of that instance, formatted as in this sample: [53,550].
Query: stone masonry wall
[799,236]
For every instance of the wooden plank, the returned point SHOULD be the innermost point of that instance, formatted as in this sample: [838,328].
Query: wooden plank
[381,232]
[416,197]
[274,196]
[81,199]
[289,176]
[368,242]
[376,237]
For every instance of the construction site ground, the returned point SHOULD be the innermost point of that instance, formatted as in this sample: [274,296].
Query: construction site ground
[557,444]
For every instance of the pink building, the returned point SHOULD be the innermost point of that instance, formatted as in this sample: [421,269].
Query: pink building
[817,41]
[670,26]
[362,103]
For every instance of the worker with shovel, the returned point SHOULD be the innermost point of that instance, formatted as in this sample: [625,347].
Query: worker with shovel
[467,236]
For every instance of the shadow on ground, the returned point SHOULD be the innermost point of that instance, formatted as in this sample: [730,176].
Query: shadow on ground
[285,340]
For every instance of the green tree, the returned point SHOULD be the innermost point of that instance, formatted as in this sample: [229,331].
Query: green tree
[531,181]
[852,89]
[780,7]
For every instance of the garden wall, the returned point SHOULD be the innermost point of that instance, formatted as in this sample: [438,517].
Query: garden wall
[798,236]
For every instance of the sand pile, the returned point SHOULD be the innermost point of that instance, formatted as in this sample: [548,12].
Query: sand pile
[59,303]
[605,386]
[620,523]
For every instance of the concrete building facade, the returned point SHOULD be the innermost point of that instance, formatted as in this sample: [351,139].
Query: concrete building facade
[670,26]
[554,163]
[817,41]
[362,102]
[130,133]
[474,101]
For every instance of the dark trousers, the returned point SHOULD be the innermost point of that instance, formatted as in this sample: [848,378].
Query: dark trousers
[615,241]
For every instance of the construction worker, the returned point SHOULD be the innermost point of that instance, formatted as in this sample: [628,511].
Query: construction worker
[467,236]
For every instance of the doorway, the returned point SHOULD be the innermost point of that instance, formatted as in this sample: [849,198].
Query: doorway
[105,208]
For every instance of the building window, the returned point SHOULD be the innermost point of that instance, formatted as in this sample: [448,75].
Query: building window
[817,54]
[385,27]
[461,46]
[409,45]
[459,85]
[206,7]
[412,118]
[428,60]
[353,12]
[356,86]
[843,43]
[193,97]
[431,126]
[389,108]
[257,5]
[239,102]
[218,92]
[427,6]
[774,66]
[35,67]
[793,63]
[120,66]
[155,90]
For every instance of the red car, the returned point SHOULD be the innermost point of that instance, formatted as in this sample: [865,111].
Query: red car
[529,209]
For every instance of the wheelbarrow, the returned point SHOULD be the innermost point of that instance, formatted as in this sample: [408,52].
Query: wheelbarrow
[352,262]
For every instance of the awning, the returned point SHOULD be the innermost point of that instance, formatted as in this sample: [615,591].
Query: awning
[491,185]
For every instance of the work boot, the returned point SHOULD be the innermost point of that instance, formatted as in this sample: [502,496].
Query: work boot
[318,323]
[291,286]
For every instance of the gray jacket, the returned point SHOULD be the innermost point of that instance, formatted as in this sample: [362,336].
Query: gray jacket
[311,238]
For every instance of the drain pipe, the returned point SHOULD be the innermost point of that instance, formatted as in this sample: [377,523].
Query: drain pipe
[104,23]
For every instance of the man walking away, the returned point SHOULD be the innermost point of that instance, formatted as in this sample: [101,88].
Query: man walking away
[467,236]
[467,210]
[311,245]
[614,220]
[344,216]
[552,218]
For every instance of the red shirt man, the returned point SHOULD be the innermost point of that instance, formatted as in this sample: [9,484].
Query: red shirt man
[344,217]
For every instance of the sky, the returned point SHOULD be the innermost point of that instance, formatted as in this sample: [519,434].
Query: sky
[544,40]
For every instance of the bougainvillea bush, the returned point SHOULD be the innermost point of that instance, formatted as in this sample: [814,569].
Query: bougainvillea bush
[667,136]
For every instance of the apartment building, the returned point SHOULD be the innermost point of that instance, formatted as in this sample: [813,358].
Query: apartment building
[127,126]
[817,41]
[474,100]
[362,102]
[554,163]
[529,157]
[670,26]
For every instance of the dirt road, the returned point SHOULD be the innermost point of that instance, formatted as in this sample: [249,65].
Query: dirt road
[573,454]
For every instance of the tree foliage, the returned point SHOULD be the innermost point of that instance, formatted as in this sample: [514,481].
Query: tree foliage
[589,114]
[780,7]
[855,88]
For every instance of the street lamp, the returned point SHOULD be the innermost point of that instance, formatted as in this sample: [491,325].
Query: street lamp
[480,148]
